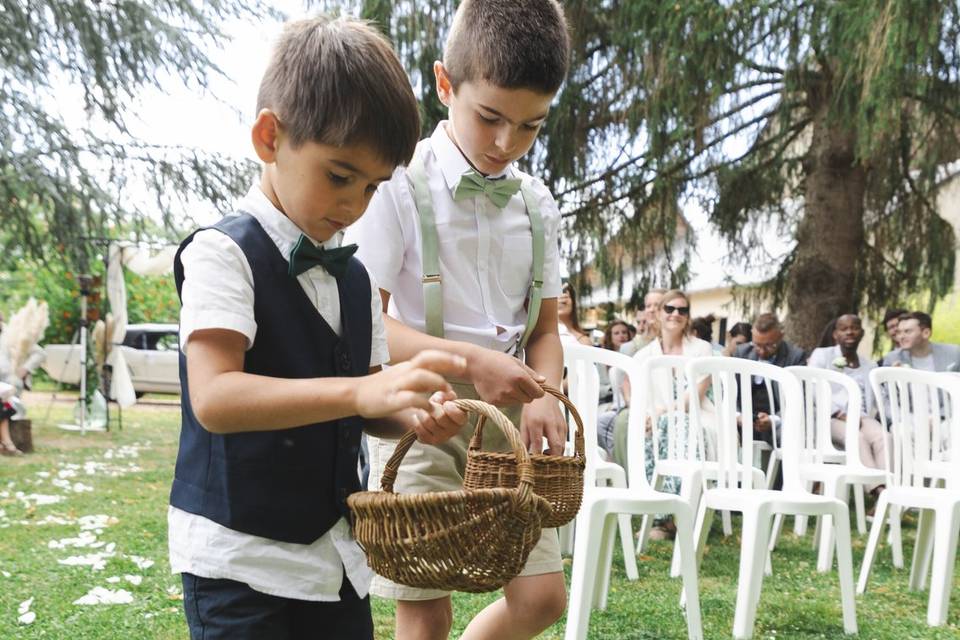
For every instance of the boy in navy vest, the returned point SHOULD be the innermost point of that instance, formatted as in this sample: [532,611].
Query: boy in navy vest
[467,259]
[281,345]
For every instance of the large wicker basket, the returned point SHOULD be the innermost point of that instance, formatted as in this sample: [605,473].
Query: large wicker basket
[467,540]
[559,479]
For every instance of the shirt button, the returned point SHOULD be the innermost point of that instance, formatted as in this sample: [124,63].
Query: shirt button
[344,361]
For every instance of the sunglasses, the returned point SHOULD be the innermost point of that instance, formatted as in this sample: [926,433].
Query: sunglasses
[669,309]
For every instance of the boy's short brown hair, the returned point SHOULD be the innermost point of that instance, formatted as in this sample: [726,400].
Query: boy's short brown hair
[339,82]
[513,44]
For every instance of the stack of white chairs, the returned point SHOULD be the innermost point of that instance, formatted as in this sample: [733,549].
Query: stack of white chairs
[602,506]
[736,490]
[921,407]
[820,461]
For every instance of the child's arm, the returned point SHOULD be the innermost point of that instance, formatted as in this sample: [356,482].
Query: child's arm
[225,399]
[542,417]
[499,378]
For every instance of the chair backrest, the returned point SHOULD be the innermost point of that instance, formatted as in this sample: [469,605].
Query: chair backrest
[818,387]
[735,442]
[920,408]
[668,399]
[583,389]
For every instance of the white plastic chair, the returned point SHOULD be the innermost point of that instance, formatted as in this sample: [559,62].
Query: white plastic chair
[582,378]
[736,489]
[601,505]
[820,461]
[924,425]
[685,441]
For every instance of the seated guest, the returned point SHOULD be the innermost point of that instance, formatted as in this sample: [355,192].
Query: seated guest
[843,357]
[891,322]
[673,338]
[702,327]
[916,350]
[567,320]
[646,323]
[739,334]
[615,335]
[767,345]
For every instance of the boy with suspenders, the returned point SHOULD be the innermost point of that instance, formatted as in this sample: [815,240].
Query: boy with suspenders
[471,265]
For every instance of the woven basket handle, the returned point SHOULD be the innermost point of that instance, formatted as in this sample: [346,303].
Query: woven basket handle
[578,445]
[484,410]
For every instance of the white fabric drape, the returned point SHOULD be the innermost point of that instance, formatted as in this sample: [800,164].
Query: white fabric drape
[143,262]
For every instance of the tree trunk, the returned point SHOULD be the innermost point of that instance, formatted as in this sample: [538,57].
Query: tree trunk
[830,235]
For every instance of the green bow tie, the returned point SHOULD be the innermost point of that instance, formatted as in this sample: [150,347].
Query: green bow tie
[305,255]
[472,184]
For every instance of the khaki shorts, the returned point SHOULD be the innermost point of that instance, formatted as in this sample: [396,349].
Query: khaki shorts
[428,468]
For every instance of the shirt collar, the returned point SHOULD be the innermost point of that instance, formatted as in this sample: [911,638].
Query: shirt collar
[451,160]
[281,229]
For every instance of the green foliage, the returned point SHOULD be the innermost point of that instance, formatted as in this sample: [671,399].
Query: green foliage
[149,299]
[716,101]
[60,182]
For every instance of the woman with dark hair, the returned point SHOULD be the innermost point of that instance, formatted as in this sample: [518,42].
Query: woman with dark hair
[739,334]
[569,323]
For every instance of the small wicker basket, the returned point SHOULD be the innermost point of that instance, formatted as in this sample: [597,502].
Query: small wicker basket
[559,479]
[467,540]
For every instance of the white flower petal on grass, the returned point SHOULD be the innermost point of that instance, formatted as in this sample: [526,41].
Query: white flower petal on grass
[101,595]
[25,606]
[85,539]
[37,499]
[134,580]
[142,563]
[43,474]
[27,618]
[96,521]
[5,574]
[111,547]
[113,579]
[97,561]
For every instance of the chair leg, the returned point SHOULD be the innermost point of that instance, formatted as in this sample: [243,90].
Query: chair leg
[646,523]
[827,525]
[920,566]
[861,509]
[875,531]
[626,546]
[841,522]
[753,550]
[777,530]
[690,492]
[702,530]
[566,538]
[896,538]
[602,586]
[799,521]
[727,523]
[688,570]
[945,555]
[772,466]
[586,559]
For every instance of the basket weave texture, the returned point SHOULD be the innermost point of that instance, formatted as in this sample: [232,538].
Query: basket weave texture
[467,540]
[558,479]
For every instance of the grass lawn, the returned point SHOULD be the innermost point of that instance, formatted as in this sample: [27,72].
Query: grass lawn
[90,511]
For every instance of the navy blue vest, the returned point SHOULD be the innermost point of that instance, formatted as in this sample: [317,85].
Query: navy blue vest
[289,485]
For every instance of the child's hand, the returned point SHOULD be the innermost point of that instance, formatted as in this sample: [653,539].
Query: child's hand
[543,418]
[501,379]
[407,385]
[444,420]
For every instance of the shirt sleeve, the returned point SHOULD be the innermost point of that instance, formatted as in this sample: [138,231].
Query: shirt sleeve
[217,290]
[551,246]
[379,233]
[379,354]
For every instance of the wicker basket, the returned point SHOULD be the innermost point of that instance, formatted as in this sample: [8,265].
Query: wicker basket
[473,541]
[559,479]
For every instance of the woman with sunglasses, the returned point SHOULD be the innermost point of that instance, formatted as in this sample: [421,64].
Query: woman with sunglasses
[673,338]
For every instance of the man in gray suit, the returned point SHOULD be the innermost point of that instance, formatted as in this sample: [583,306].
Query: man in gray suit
[916,350]
[767,345]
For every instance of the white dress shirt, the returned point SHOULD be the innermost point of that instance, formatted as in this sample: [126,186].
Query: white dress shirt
[485,253]
[825,357]
[218,293]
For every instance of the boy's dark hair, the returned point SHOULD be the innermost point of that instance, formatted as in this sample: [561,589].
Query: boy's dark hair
[893,313]
[339,82]
[703,327]
[513,44]
[923,319]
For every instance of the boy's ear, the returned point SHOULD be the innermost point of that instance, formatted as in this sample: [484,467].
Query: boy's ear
[444,87]
[265,135]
